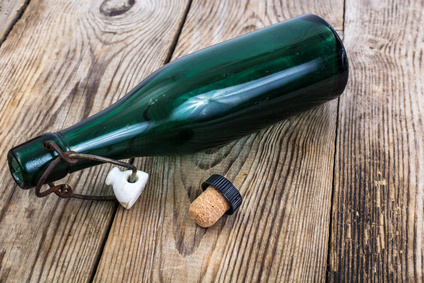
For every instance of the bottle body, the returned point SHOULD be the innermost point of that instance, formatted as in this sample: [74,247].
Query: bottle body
[205,99]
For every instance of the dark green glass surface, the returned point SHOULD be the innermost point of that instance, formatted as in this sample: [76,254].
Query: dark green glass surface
[205,99]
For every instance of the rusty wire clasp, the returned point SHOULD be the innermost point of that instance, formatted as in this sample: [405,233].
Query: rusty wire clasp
[72,157]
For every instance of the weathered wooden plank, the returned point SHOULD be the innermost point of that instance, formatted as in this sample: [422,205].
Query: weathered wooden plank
[64,61]
[285,174]
[377,220]
[10,10]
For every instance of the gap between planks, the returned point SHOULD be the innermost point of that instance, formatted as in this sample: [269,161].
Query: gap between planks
[16,17]
[333,185]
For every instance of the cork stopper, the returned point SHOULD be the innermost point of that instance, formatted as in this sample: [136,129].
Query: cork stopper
[208,207]
[219,197]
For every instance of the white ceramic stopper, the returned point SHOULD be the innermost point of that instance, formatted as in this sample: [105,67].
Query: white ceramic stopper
[126,193]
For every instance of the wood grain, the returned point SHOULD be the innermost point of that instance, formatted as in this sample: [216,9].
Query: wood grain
[284,173]
[10,11]
[377,219]
[64,61]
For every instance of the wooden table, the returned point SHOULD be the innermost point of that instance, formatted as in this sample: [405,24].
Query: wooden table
[333,194]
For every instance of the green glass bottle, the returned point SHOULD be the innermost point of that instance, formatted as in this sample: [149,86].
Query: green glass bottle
[204,100]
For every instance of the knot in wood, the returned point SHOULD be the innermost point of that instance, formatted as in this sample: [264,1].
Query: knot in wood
[113,8]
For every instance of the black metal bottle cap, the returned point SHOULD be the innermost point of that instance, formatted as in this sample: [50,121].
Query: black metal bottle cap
[227,189]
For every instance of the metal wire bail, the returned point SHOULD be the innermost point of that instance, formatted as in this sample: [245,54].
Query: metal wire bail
[72,158]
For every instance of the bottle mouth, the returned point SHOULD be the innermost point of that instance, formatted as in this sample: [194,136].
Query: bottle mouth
[28,161]
[16,170]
